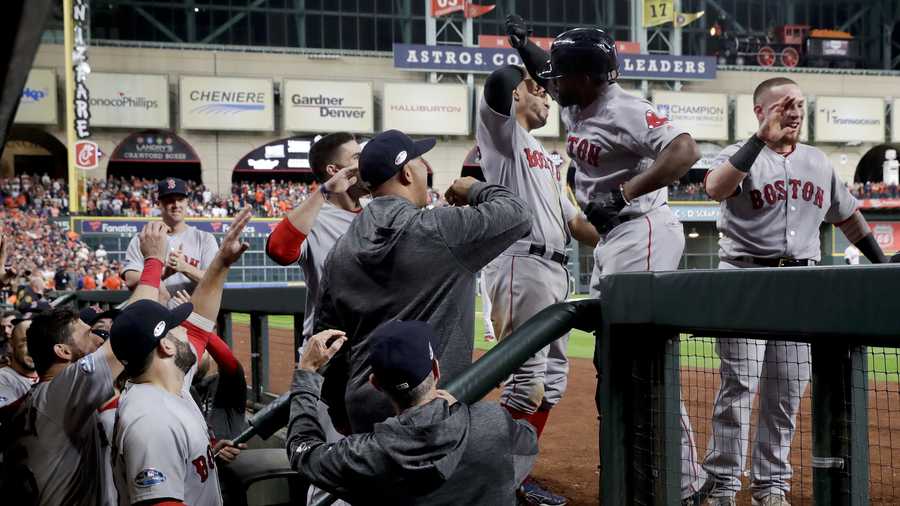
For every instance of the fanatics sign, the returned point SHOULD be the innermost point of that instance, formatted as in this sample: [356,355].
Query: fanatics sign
[226,103]
[327,106]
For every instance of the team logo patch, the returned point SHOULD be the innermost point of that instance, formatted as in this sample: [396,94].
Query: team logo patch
[158,330]
[170,183]
[149,477]
[87,364]
[401,157]
[654,121]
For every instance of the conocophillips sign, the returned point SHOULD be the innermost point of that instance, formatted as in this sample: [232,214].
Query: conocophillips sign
[129,100]
[38,103]
[226,103]
[327,106]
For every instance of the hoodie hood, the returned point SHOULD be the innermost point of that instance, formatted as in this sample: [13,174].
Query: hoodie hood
[381,225]
[427,442]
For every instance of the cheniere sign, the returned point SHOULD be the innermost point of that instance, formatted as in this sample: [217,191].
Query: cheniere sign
[422,57]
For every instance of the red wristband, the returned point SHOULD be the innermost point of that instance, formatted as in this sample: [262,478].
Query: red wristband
[152,272]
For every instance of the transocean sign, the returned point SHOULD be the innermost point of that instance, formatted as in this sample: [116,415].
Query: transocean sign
[226,103]
[487,59]
[327,106]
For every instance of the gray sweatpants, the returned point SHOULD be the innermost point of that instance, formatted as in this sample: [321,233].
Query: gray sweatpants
[519,287]
[652,242]
[779,371]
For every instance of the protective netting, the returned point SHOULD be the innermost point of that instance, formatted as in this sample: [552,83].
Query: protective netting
[765,382]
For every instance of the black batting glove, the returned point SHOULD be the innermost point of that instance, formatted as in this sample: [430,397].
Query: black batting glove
[517,30]
[604,213]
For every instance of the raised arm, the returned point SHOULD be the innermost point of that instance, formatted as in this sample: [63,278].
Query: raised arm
[207,297]
[283,244]
[857,232]
[533,56]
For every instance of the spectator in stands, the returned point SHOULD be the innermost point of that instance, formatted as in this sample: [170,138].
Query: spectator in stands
[16,379]
[6,329]
[190,250]
[30,295]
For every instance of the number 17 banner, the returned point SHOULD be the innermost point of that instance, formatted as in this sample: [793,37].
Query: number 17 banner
[657,12]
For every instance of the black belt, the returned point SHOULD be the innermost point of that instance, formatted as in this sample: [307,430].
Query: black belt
[540,250]
[776,262]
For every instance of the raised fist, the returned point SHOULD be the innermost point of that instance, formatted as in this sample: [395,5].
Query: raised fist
[517,30]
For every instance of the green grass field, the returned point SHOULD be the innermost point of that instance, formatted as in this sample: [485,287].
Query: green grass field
[696,352]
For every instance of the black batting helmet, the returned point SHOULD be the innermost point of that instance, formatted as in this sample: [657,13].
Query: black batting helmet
[582,51]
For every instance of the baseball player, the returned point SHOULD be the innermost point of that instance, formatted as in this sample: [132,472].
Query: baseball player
[18,377]
[775,194]
[190,250]
[532,273]
[161,443]
[626,155]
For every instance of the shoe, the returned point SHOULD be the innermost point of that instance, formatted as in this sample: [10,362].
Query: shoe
[771,500]
[489,338]
[531,493]
[720,501]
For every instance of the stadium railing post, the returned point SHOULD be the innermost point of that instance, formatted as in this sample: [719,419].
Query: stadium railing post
[298,334]
[638,402]
[223,324]
[259,354]
[840,423]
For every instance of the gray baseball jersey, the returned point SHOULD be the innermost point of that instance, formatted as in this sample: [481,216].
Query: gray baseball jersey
[199,249]
[13,385]
[781,204]
[330,225]
[161,443]
[614,139]
[512,157]
[59,447]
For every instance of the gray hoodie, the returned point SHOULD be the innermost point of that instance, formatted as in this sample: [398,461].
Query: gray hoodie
[434,454]
[400,262]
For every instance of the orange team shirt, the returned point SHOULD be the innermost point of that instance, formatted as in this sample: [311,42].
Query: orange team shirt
[113,282]
[89,283]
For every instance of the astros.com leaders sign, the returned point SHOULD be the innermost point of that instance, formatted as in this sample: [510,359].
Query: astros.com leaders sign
[485,60]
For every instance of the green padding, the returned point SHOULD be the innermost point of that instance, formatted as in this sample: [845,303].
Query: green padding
[856,303]
[540,330]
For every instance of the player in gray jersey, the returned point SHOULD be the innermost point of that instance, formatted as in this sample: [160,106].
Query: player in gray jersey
[189,250]
[626,155]
[532,273]
[18,377]
[775,194]
[161,443]
[56,454]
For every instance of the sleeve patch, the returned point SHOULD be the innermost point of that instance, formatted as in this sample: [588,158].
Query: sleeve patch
[654,120]
[149,477]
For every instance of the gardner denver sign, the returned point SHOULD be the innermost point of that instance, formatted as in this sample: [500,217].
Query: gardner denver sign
[225,103]
[327,106]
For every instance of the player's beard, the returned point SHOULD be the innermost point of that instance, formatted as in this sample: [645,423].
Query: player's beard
[184,357]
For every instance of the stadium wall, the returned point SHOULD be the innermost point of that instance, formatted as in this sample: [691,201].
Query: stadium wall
[219,151]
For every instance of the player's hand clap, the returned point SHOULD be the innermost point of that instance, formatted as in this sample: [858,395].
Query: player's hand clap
[604,213]
[343,180]
[181,297]
[772,129]
[176,261]
[153,239]
[226,452]
[232,247]
[318,351]
[517,30]
[458,193]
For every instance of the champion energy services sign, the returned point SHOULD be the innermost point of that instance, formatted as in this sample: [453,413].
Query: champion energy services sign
[849,119]
[129,100]
[226,103]
[426,109]
[487,59]
[328,106]
[38,103]
[704,115]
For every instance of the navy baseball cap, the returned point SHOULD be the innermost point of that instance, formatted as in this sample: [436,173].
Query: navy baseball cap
[35,308]
[171,186]
[401,354]
[91,315]
[387,153]
[139,327]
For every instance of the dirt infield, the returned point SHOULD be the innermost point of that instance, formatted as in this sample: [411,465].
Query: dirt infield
[570,456]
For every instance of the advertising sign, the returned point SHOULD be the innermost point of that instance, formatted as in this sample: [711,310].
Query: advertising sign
[328,106]
[426,109]
[226,103]
[129,100]
[849,119]
[154,146]
[38,103]
[704,115]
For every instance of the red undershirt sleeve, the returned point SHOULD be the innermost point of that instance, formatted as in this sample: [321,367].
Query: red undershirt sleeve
[283,244]
[199,332]
[221,353]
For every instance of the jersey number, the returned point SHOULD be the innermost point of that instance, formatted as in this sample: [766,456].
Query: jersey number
[204,463]
[662,10]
